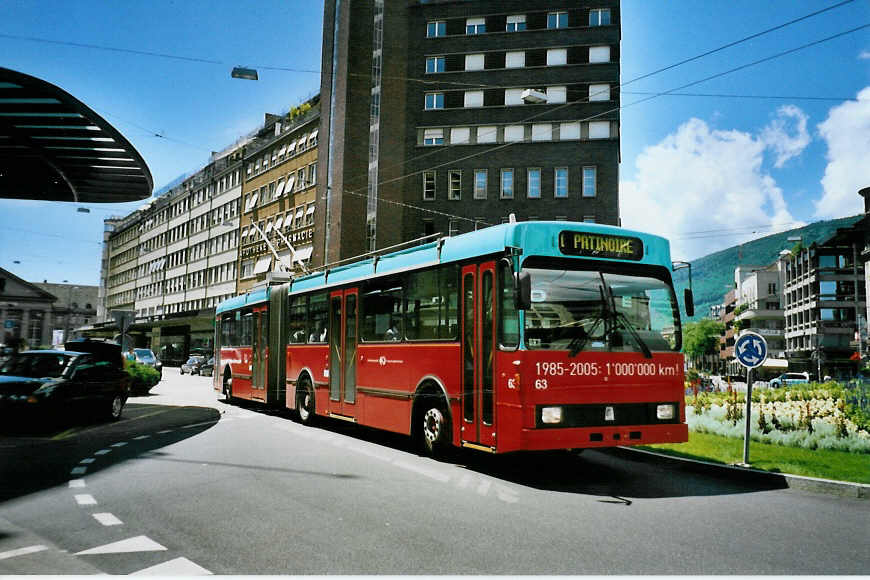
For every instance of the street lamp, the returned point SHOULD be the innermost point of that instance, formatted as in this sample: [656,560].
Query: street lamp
[241,72]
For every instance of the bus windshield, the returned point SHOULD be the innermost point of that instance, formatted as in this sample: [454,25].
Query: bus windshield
[590,310]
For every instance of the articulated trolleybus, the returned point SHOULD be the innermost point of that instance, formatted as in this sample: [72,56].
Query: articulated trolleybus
[521,336]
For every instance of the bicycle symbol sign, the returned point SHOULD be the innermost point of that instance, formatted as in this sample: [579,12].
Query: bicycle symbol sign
[750,350]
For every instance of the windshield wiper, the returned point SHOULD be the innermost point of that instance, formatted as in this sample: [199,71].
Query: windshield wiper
[612,319]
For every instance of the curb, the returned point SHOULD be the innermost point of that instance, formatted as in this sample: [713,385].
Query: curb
[811,484]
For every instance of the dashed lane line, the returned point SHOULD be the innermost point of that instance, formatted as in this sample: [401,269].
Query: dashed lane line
[135,544]
[107,519]
[22,551]
[78,471]
[73,483]
[85,499]
[176,567]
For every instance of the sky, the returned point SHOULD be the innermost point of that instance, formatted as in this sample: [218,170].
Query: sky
[747,142]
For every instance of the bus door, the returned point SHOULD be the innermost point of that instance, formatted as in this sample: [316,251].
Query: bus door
[342,353]
[478,353]
[260,353]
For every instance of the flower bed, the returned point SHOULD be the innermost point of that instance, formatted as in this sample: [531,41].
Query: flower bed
[827,416]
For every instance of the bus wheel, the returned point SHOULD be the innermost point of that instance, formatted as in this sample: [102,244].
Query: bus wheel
[305,401]
[434,423]
[228,387]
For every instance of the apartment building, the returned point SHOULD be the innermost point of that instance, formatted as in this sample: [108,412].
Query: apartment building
[446,116]
[175,258]
[279,196]
[759,305]
[825,302]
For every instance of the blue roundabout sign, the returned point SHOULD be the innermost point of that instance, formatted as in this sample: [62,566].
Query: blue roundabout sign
[750,349]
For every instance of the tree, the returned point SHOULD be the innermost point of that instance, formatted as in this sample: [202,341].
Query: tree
[702,338]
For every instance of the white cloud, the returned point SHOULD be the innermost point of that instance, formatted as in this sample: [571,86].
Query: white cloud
[776,134]
[847,132]
[865,55]
[704,190]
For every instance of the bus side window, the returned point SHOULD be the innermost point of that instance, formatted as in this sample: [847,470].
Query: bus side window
[297,319]
[318,317]
[381,306]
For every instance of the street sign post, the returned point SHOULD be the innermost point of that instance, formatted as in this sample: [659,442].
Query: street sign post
[124,318]
[750,349]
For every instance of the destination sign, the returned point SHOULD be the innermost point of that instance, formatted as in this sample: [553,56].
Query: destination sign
[600,245]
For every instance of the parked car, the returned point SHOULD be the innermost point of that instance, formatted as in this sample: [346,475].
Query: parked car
[146,356]
[88,376]
[207,368]
[788,379]
[192,365]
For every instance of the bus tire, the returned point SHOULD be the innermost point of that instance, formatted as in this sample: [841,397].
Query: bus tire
[305,401]
[433,425]
[228,387]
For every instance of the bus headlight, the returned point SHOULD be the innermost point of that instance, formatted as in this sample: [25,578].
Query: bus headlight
[551,415]
[664,412]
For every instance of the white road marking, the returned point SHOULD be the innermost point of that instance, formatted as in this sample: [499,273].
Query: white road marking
[22,552]
[118,444]
[176,567]
[430,473]
[199,424]
[78,471]
[88,460]
[85,499]
[136,544]
[103,452]
[107,519]
[165,431]
[77,483]
[140,437]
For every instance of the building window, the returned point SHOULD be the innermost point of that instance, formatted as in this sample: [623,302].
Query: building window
[513,97]
[599,54]
[557,20]
[557,56]
[435,64]
[542,132]
[436,28]
[454,184]
[560,185]
[434,101]
[507,183]
[516,23]
[473,99]
[599,129]
[599,17]
[514,133]
[480,183]
[599,93]
[534,182]
[557,95]
[515,59]
[569,131]
[460,135]
[487,134]
[433,137]
[428,185]
[453,227]
[475,25]
[590,181]
[589,219]
[474,62]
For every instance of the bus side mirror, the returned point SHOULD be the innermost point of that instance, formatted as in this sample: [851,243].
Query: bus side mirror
[524,291]
[689,301]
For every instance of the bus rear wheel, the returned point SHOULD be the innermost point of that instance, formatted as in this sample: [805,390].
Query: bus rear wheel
[305,402]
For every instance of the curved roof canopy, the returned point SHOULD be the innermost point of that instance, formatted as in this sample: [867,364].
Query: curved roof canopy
[54,147]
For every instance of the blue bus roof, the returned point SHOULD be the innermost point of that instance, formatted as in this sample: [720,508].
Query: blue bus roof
[254,297]
[535,238]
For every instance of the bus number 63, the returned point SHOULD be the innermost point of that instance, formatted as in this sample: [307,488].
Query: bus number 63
[541,384]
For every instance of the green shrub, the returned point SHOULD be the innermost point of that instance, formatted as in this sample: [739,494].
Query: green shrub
[142,377]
